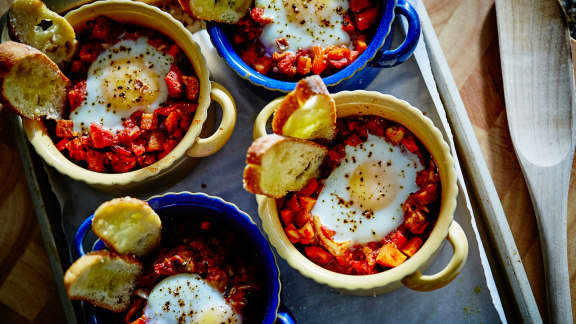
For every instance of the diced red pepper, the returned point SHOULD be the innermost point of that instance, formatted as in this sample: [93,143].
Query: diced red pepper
[62,144]
[169,145]
[375,127]
[339,64]
[318,61]
[77,94]
[250,55]
[366,18]
[121,150]
[426,195]
[360,44]
[263,64]
[412,246]
[359,5]
[292,233]
[174,50]
[390,256]
[148,121]
[306,233]
[156,141]
[409,143]
[121,163]
[186,107]
[89,52]
[128,135]
[146,159]
[310,188]
[415,221]
[100,137]
[394,134]
[347,24]
[397,238]
[427,176]
[192,87]
[327,232]
[171,121]
[287,216]
[352,140]
[293,203]
[257,15]
[64,128]
[318,255]
[303,65]
[102,29]
[286,64]
[138,148]
[174,82]
[77,150]
[95,160]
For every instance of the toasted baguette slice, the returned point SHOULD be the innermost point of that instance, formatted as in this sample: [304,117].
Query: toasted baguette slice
[276,165]
[224,11]
[32,23]
[308,112]
[128,226]
[104,279]
[30,83]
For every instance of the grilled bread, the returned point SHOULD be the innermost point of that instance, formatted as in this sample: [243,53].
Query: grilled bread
[308,112]
[31,22]
[104,279]
[224,11]
[30,83]
[128,226]
[276,165]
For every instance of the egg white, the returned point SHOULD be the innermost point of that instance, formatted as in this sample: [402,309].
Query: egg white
[304,24]
[128,63]
[336,207]
[187,298]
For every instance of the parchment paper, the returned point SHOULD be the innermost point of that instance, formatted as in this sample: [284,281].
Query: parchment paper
[470,298]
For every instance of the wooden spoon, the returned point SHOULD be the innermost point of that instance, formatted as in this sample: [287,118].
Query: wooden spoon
[539,92]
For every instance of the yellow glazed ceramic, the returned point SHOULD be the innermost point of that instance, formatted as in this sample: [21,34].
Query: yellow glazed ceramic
[138,13]
[349,103]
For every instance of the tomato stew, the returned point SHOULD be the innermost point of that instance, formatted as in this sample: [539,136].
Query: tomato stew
[420,208]
[145,137]
[360,23]
[202,246]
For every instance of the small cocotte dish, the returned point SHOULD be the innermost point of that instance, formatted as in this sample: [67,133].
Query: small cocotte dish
[377,54]
[186,204]
[141,14]
[355,103]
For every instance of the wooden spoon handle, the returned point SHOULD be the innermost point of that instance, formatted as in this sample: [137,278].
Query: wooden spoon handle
[549,193]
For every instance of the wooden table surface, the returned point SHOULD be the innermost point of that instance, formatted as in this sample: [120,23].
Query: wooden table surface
[468,34]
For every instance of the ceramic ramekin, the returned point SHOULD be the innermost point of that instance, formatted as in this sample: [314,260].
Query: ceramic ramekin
[350,103]
[141,14]
[377,54]
[189,204]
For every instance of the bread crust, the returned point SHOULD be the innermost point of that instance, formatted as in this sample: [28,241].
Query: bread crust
[305,89]
[84,263]
[10,54]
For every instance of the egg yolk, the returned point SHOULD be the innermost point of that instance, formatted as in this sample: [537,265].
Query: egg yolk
[372,186]
[128,83]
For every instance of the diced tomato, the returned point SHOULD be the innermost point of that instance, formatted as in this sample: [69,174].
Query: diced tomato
[95,160]
[100,137]
[250,55]
[287,216]
[366,18]
[77,150]
[390,256]
[360,43]
[171,121]
[174,82]
[306,233]
[169,145]
[62,144]
[77,94]
[286,64]
[327,232]
[409,143]
[64,128]
[426,195]
[292,233]
[165,111]
[121,163]
[394,134]
[412,246]
[352,140]
[186,107]
[339,64]
[146,159]
[318,61]
[397,238]
[359,5]
[415,221]
[257,15]
[184,123]
[307,203]
[375,127]
[158,43]
[174,50]
[148,121]
[263,64]
[303,65]
[337,53]
[138,148]
[156,141]
[347,24]
[427,176]
[102,29]
[128,135]
[192,87]
[310,188]
[121,150]
[353,56]
[89,52]
[318,255]
[293,203]
[360,267]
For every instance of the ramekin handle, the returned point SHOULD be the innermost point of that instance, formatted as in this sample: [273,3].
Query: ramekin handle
[284,316]
[421,282]
[263,117]
[212,144]
[388,58]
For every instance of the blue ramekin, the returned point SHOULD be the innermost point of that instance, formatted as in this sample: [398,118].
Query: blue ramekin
[377,53]
[191,204]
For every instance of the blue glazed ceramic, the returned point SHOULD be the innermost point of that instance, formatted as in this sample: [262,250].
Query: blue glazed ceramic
[377,54]
[190,204]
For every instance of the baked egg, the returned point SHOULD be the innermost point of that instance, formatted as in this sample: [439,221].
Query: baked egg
[303,24]
[187,298]
[126,77]
[361,200]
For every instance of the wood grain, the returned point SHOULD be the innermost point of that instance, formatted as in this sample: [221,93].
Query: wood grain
[467,32]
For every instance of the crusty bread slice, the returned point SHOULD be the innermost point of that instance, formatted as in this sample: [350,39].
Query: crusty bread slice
[224,11]
[276,164]
[30,83]
[31,22]
[104,279]
[128,226]
[308,112]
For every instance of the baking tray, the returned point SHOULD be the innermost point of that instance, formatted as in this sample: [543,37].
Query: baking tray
[479,294]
